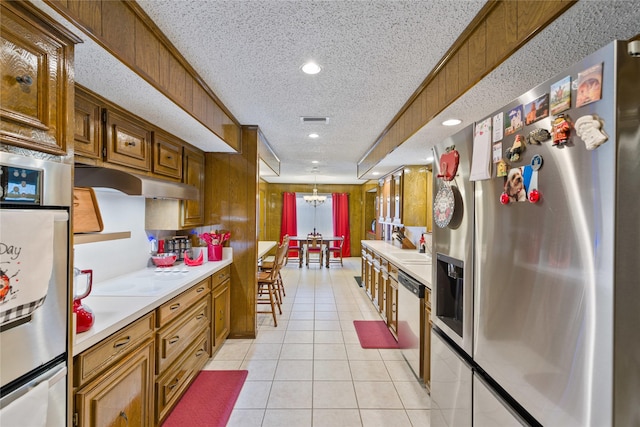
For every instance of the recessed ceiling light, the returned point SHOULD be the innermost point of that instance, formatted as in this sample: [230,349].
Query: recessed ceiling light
[375,173]
[311,68]
[451,122]
[315,162]
[314,135]
[429,159]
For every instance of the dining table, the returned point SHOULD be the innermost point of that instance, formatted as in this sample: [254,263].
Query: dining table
[302,240]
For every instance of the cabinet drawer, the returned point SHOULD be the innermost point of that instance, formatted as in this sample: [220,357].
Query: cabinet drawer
[99,357]
[171,385]
[179,335]
[180,304]
[220,276]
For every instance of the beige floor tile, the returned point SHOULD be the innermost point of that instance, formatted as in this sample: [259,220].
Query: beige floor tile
[369,370]
[222,365]
[356,352]
[326,315]
[350,337]
[384,418]
[291,351]
[290,395]
[336,418]
[391,354]
[331,370]
[377,395]
[399,370]
[270,336]
[254,395]
[325,307]
[231,351]
[298,337]
[419,417]
[301,315]
[260,370]
[300,325]
[263,351]
[413,395]
[287,417]
[334,394]
[329,352]
[246,418]
[303,307]
[327,325]
[294,370]
[328,337]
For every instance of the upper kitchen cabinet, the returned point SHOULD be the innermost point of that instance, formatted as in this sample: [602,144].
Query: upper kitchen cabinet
[124,30]
[87,137]
[167,155]
[414,200]
[127,141]
[194,174]
[36,83]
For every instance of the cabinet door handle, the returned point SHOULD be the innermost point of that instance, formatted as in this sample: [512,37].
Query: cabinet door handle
[174,307]
[199,316]
[199,352]
[200,289]
[123,415]
[121,342]
[24,80]
[174,339]
[173,384]
[130,143]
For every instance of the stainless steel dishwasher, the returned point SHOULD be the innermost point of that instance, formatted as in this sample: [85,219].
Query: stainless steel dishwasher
[410,307]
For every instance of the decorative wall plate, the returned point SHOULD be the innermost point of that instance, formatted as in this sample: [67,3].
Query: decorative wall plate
[443,206]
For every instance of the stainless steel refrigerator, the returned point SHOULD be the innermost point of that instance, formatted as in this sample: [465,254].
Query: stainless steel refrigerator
[555,283]
[35,201]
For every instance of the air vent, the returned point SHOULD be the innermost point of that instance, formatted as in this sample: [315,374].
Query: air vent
[320,120]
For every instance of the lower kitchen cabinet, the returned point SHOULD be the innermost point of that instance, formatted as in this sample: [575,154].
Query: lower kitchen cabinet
[122,395]
[392,300]
[221,303]
[426,361]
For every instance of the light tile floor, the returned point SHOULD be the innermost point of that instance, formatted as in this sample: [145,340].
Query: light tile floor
[311,371]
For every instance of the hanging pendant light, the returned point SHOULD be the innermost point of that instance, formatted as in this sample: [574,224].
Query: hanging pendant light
[314,199]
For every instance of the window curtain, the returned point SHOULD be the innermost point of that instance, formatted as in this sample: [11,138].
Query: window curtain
[341,221]
[289,223]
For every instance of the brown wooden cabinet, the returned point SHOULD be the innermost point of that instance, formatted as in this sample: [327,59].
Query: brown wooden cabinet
[36,83]
[426,348]
[114,379]
[87,136]
[221,303]
[392,300]
[182,344]
[167,155]
[127,141]
[193,174]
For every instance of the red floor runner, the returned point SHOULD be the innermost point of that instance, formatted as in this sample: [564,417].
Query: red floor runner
[374,334]
[208,401]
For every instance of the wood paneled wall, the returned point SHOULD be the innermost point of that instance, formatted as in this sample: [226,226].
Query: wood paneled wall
[231,204]
[126,31]
[501,28]
[356,220]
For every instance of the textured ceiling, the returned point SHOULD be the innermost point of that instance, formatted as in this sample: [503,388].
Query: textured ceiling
[374,55]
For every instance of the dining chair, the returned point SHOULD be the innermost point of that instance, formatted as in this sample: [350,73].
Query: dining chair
[315,249]
[267,286]
[334,251]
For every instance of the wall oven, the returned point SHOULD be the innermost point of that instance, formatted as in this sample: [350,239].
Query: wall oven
[35,201]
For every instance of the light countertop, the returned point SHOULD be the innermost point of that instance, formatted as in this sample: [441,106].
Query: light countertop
[264,246]
[410,261]
[117,302]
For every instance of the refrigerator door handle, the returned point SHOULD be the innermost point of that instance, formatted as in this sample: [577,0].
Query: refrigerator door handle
[52,376]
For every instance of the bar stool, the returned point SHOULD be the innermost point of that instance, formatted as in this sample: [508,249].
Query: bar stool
[267,286]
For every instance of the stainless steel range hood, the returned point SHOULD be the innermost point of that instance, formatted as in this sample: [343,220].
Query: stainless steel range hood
[133,184]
